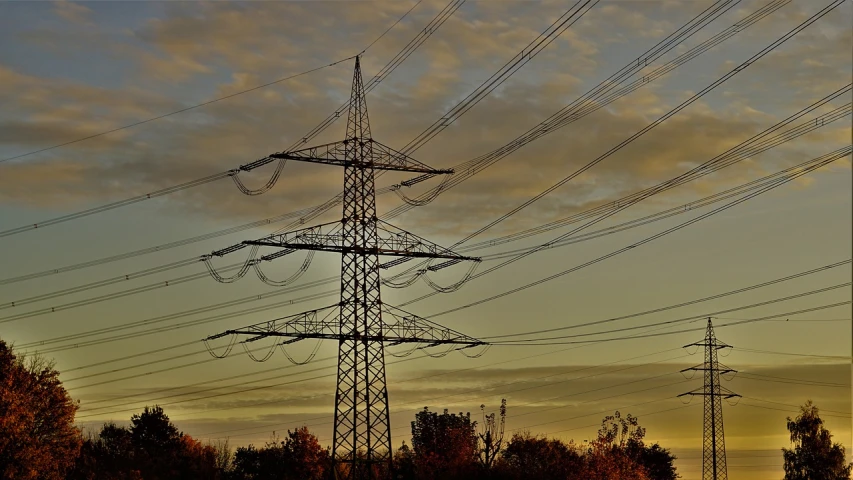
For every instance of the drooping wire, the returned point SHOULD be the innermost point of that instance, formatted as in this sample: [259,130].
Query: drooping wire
[295,276]
[250,261]
[263,189]
[405,354]
[212,353]
[476,355]
[252,355]
[452,287]
[307,359]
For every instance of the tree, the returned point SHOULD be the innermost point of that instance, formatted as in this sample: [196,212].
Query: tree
[602,462]
[157,444]
[658,462]
[528,456]
[106,456]
[404,463]
[308,459]
[814,456]
[444,446]
[491,439]
[38,438]
[299,457]
[624,437]
[151,448]
[621,432]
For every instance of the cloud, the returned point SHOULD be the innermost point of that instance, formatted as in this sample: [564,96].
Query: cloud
[233,46]
[73,12]
[567,401]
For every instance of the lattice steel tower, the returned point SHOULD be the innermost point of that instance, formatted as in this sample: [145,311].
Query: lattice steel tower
[714,440]
[362,436]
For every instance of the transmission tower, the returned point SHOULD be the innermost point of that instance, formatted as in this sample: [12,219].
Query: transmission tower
[714,440]
[362,434]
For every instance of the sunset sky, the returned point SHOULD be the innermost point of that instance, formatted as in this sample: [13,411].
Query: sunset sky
[70,70]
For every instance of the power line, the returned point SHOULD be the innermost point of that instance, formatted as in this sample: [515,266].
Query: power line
[598,322]
[158,117]
[741,147]
[670,41]
[688,319]
[760,378]
[274,82]
[760,319]
[749,186]
[585,343]
[769,352]
[629,140]
[454,371]
[605,92]
[662,47]
[233,173]
[826,159]
[684,304]
[380,37]
[662,119]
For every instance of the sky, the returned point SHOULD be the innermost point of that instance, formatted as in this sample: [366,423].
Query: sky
[71,70]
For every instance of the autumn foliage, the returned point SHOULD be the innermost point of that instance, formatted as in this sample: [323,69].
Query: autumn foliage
[38,438]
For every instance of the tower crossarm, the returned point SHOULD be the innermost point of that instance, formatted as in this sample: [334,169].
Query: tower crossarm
[302,323]
[722,392]
[702,368]
[378,156]
[391,241]
[405,328]
[716,345]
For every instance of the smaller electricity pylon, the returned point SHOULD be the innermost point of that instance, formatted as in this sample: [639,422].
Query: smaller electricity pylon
[364,324]
[714,440]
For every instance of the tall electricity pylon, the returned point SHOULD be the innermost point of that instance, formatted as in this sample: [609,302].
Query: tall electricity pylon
[714,441]
[362,437]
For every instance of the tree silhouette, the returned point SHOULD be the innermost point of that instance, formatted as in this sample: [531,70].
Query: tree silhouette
[444,446]
[814,456]
[622,438]
[38,438]
[299,457]
[491,438]
[156,444]
[151,448]
[528,456]
[621,432]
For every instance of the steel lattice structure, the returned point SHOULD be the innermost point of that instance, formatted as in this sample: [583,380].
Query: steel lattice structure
[714,440]
[362,434]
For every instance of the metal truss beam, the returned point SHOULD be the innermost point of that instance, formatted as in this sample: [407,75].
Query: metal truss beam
[406,328]
[381,157]
[390,241]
